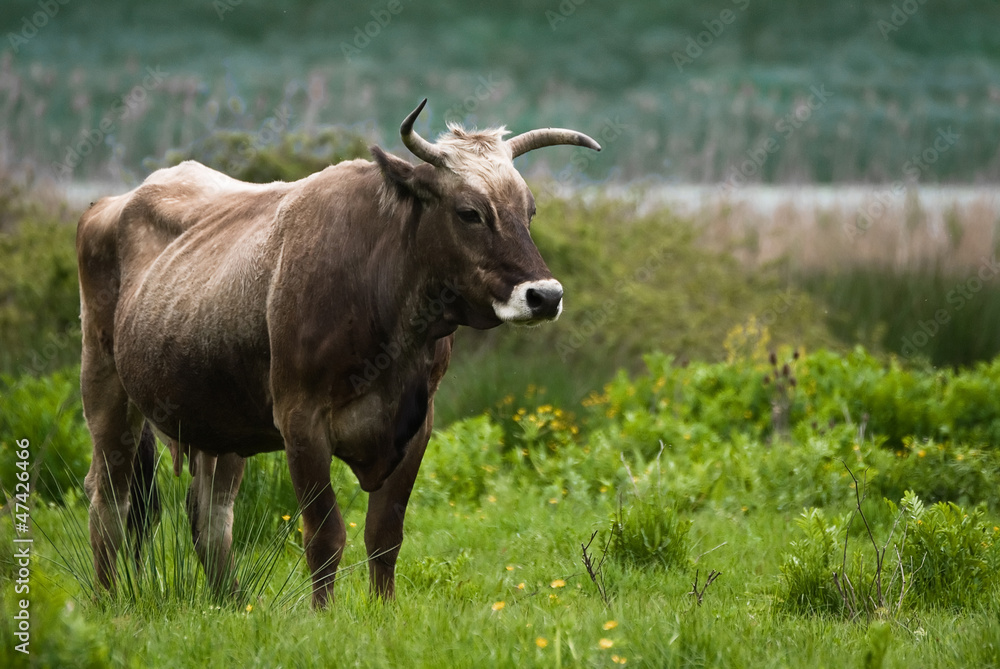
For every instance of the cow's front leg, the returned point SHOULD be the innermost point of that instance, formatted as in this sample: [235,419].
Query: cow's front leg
[210,508]
[323,533]
[386,510]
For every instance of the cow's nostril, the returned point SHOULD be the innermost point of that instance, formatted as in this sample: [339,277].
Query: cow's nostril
[543,299]
[535,299]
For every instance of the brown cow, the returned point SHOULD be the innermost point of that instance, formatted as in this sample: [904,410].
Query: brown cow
[315,317]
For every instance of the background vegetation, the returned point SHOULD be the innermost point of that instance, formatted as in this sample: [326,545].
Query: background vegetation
[239,65]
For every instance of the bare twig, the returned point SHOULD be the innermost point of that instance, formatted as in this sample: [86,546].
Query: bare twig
[709,551]
[596,573]
[631,478]
[700,594]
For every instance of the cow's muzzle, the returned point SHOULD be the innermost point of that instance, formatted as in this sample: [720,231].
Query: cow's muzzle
[531,302]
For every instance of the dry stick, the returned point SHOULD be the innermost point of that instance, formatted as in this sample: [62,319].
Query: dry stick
[879,555]
[699,595]
[709,551]
[601,588]
[843,595]
[630,476]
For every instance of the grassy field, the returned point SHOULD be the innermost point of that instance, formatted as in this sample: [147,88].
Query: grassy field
[492,569]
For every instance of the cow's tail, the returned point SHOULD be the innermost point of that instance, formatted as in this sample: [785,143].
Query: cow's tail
[144,510]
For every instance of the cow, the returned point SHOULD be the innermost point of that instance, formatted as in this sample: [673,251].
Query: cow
[315,317]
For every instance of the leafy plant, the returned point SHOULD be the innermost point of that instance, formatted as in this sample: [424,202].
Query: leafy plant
[272,156]
[48,412]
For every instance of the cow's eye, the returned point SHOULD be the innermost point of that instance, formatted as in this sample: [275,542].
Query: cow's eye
[470,216]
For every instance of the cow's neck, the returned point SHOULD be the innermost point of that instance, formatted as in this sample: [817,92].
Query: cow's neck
[412,303]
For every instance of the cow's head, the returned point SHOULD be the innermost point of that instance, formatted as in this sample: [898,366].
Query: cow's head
[475,213]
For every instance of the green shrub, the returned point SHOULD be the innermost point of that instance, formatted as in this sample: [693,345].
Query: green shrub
[806,583]
[460,461]
[649,532]
[926,557]
[939,472]
[286,157]
[61,635]
[647,529]
[953,555]
[48,412]
[39,297]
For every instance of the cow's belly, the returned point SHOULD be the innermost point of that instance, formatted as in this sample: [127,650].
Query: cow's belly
[195,361]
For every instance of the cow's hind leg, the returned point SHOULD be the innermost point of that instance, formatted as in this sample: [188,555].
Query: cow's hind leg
[114,426]
[386,510]
[144,502]
[210,501]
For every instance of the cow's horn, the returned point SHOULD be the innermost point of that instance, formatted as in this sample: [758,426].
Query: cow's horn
[536,139]
[417,145]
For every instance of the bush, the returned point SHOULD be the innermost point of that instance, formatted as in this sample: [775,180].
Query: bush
[932,556]
[647,529]
[806,584]
[48,412]
[460,461]
[649,532]
[61,636]
[289,157]
[39,297]
[953,555]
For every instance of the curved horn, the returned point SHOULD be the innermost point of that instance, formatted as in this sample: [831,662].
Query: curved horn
[417,145]
[536,139]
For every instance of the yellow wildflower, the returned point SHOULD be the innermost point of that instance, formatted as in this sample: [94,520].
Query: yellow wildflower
[286,517]
[610,625]
[498,606]
[558,583]
[605,643]
[541,642]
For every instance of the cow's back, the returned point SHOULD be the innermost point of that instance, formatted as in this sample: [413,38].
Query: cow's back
[175,275]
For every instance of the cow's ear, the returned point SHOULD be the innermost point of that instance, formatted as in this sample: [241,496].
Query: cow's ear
[416,181]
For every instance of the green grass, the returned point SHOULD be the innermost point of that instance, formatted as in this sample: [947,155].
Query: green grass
[491,569]
[522,538]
